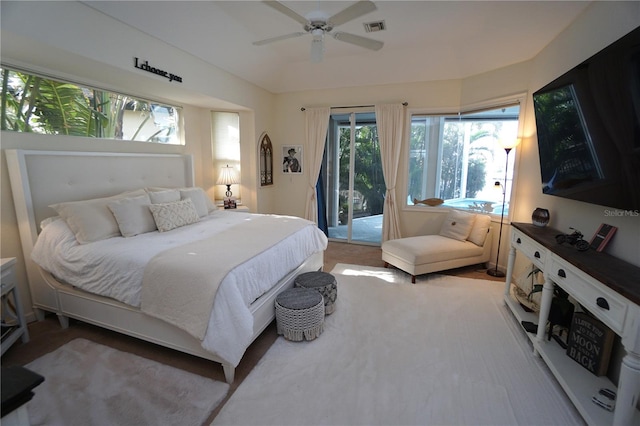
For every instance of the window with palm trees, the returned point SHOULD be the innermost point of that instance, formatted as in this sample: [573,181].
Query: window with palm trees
[458,158]
[37,104]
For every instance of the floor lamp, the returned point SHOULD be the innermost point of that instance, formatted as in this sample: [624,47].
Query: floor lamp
[508,146]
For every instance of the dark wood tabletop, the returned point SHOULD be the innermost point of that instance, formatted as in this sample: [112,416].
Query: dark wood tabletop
[620,276]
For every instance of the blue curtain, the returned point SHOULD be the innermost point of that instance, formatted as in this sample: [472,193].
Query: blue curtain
[322,203]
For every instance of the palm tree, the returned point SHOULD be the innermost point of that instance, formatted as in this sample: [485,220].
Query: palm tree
[35,104]
[453,163]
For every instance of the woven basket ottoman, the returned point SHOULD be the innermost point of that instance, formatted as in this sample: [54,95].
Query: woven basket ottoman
[299,314]
[324,283]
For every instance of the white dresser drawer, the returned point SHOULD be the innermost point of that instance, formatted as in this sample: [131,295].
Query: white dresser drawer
[606,304]
[534,251]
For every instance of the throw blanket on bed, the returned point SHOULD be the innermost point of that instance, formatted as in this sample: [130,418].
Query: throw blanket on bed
[180,284]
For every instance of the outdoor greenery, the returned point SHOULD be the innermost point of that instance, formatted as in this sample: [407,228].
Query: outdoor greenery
[455,134]
[35,104]
[368,179]
[453,163]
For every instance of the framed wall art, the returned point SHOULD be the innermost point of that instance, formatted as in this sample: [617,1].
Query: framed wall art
[292,159]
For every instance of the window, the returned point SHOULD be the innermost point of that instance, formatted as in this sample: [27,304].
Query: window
[225,147]
[458,158]
[36,104]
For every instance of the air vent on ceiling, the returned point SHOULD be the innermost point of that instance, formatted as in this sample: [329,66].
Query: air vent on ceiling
[372,27]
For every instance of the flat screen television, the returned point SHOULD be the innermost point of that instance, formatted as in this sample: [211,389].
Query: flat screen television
[588,128]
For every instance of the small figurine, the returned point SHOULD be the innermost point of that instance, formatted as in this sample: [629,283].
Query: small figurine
[575,239]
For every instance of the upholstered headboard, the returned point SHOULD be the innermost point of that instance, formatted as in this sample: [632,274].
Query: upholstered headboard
[47,177]
[41,178]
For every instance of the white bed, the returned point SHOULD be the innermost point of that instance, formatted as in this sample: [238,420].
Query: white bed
[42,178]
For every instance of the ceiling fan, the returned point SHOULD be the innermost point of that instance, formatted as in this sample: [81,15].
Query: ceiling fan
[318,24]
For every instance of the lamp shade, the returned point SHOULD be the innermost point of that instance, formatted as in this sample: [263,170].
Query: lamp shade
[509,143]
[228,176]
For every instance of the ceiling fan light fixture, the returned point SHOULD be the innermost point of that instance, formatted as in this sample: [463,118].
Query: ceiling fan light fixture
[317,48]
[318,24]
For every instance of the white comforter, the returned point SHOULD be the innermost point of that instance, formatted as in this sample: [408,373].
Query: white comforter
[115,267]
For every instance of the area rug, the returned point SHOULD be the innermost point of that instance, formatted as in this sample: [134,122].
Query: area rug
[444,351]
[91,384]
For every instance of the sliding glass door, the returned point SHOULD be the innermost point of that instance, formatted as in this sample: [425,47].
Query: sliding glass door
[353,180]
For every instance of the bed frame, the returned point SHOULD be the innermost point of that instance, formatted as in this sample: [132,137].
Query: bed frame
[41,178]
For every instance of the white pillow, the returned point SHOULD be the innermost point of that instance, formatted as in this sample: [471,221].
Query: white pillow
[198,197]
[480,229]
[47,221]
[210,205]
[169,216]
[91,220]
[133,215]
[457,225]
[161,197]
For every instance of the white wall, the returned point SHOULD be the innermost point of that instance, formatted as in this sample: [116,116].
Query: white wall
[574,45]
[577,43]
[290,121]
[434,96]
[71,40]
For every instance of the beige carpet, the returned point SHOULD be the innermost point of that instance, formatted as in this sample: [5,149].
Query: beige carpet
[90,384]
[445,351]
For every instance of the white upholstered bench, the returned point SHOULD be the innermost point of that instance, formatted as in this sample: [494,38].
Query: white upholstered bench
[464,239]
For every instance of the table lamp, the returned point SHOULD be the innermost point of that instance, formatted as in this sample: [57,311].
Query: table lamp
[228,176]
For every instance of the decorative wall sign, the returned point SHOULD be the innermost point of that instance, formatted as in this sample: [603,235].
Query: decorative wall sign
[292,159]
[590,343]
[162,73]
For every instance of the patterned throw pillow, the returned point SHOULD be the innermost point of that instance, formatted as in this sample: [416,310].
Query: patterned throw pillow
[169,216]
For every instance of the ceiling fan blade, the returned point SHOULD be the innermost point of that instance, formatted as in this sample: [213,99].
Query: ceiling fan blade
[274,39]
[352,12]
[367,43]
[286,11]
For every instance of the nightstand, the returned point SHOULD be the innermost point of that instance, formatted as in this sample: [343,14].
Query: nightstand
[13,323]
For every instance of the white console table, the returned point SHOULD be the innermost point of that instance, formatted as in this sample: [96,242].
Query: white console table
[608,288]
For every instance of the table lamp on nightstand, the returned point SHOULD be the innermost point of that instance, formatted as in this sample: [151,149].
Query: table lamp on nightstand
[228,177]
